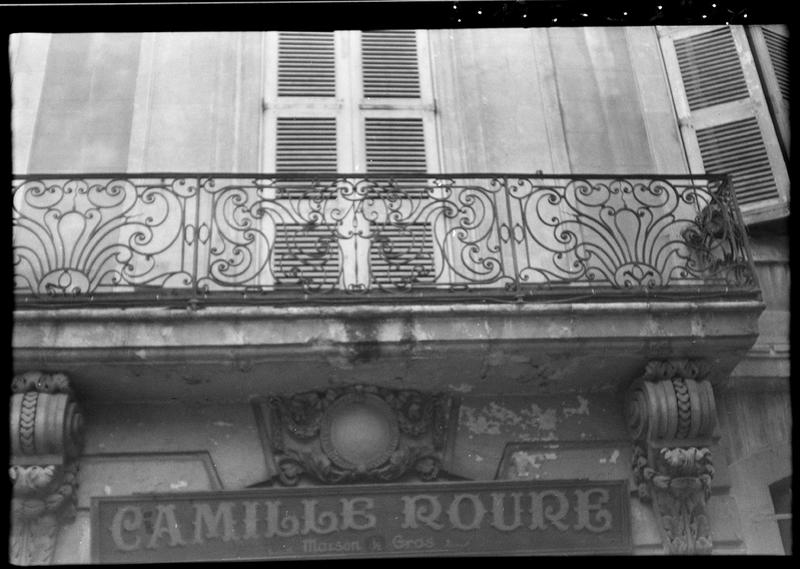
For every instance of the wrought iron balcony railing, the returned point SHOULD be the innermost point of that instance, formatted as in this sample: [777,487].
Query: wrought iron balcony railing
[261,238]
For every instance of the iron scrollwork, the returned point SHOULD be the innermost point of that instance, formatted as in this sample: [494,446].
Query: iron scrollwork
[205,236]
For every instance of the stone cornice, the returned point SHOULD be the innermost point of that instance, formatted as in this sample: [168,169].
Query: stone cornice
[295,311]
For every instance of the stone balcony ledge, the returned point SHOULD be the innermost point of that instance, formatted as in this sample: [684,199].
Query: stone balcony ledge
[233,353]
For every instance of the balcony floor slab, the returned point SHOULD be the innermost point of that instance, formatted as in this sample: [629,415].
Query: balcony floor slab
[234,353]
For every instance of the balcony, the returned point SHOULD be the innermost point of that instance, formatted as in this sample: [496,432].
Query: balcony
[518,281]
[100,240]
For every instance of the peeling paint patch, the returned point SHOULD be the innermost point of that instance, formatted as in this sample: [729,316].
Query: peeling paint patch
[478,458]
[528,424]
[479,424]
[141,354]
[107,490]
[181,484]
[461,388]
[581,409]
[526,463]
[222,424]
[612,459]
[503,414]
[545,420]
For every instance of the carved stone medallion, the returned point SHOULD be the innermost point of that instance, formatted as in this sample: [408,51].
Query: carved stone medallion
[359,431]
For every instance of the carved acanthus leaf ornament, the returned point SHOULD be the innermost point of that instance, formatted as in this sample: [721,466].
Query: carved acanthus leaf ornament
[357,433]
[671,416]
[46,438]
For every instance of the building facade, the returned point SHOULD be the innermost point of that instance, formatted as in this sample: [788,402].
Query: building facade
[288,263]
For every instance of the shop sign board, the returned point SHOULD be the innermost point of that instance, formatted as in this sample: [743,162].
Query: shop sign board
[392,520]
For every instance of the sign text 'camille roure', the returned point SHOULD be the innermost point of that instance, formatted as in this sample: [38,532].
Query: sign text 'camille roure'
[390,520]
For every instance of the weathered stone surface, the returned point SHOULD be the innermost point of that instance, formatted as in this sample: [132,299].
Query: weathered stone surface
[236,352]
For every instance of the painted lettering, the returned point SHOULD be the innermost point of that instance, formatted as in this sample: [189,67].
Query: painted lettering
[540,512]
[428,512]
[401,542]
[498,511]
[286,526]
[123,520]
[358,518]
[584,507]
[250,509]
[166,523]
[312,545]
[205,517]
[454,511]
[315,524]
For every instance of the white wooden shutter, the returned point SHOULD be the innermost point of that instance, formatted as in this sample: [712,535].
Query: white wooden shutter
[723,115]
[304,127]
[771,47]
[403,253]
[395,144]
[395,107]
[306,64]
[390,64]
[306,253]
[306,144]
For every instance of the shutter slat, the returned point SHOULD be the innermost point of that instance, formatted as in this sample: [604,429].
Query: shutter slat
[389,64]
[306,64]
[395,144]
[778,49]
[402,253]
[306,144]
[710,68]
[309,252]
[738,149]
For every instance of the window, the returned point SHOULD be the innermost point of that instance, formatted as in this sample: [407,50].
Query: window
[724,117]
[350,102]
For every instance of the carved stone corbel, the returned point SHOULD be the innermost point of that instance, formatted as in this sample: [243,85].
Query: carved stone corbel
[356,433]
[46,439]
[671,416]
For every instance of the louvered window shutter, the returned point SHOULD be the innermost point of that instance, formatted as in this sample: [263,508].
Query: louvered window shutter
[771,49]
[306,64]
[397,118]
[302,132]
[395,103]
[303,112]
[390,64]
[723,114]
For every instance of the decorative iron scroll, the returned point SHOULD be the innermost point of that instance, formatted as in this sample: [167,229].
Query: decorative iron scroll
[46,439]
[671,416]
[358,433]
[155,237]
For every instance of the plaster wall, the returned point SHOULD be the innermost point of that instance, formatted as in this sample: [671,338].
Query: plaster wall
[177,446]
[755,407]
[507,100]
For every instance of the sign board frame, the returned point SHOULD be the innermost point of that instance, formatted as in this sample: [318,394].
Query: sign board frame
[410,520]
